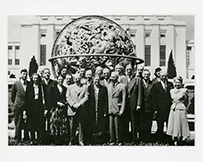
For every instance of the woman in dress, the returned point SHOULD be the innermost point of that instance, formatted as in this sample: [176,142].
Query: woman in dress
[178,126]
[58,120]
[35,107]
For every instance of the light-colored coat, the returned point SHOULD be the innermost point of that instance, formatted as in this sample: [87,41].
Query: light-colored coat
[116,98]
[75,94]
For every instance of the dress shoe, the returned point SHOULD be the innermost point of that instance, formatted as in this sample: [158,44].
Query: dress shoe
[81,143]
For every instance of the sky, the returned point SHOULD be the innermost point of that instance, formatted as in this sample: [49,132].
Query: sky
[14,26]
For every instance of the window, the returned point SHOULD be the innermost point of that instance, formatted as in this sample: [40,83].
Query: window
[133,33]
[59,18]
[42,54]
[17,55]
[45,18]
[10,55]
[117,18]
[9,61]
[131,18]
[146,19]
[17,61]
[43,34]
[17,47]
[162,55]
[147,34]
[189,48]
[162,34]
[147,55]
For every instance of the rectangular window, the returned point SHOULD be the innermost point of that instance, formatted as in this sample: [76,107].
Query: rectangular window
[9,61]
[147,55]
[10,55]
[131,18]
[42,54]
[147,33]
[133,33]
[17,61]
[162,34]
[117,18]
[17,47]
[187,58]
[189,48]
[162,55]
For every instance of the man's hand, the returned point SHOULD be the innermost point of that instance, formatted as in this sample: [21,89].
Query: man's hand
[138,107]
[24,115]
[76,105]
[120,113]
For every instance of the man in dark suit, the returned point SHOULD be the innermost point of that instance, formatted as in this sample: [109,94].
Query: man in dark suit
[18,98]
[147,115]
[162,103]
[47,83]
[134,100]
[97,110]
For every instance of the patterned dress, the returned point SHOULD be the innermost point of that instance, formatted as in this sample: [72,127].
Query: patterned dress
[177,122]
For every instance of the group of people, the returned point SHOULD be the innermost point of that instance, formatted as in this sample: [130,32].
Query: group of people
[105,106]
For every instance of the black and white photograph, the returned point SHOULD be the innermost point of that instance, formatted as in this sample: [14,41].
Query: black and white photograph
[101,81]
[118,80]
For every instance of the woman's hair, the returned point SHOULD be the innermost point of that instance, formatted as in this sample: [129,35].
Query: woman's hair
[178,78]
[39,78]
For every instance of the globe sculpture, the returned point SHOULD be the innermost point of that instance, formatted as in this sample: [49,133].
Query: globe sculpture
[92,41]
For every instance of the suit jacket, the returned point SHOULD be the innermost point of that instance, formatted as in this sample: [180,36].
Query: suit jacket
[135,93]
[48,98]
[56,96]
[161,98]
[18,96]
[147,99]
[102,106]
[116,97]
[74,95]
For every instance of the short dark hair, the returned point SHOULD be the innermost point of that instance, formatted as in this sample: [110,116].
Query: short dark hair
[23,70]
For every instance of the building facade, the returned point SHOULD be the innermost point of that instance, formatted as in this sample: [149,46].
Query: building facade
[154,38]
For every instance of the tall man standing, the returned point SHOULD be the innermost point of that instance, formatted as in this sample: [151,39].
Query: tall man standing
[18,99]
[148,107]
[135,96]
[116,99]
[162,103]
[48,83]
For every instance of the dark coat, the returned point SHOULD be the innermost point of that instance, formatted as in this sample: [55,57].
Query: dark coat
[102,108]
[162,99]
[135,93]
[48,92]
[56,96]
[35,109]
[147,99]
[18,96]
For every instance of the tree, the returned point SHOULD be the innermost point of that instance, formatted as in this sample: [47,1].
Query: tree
[171,71]
[33,67]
